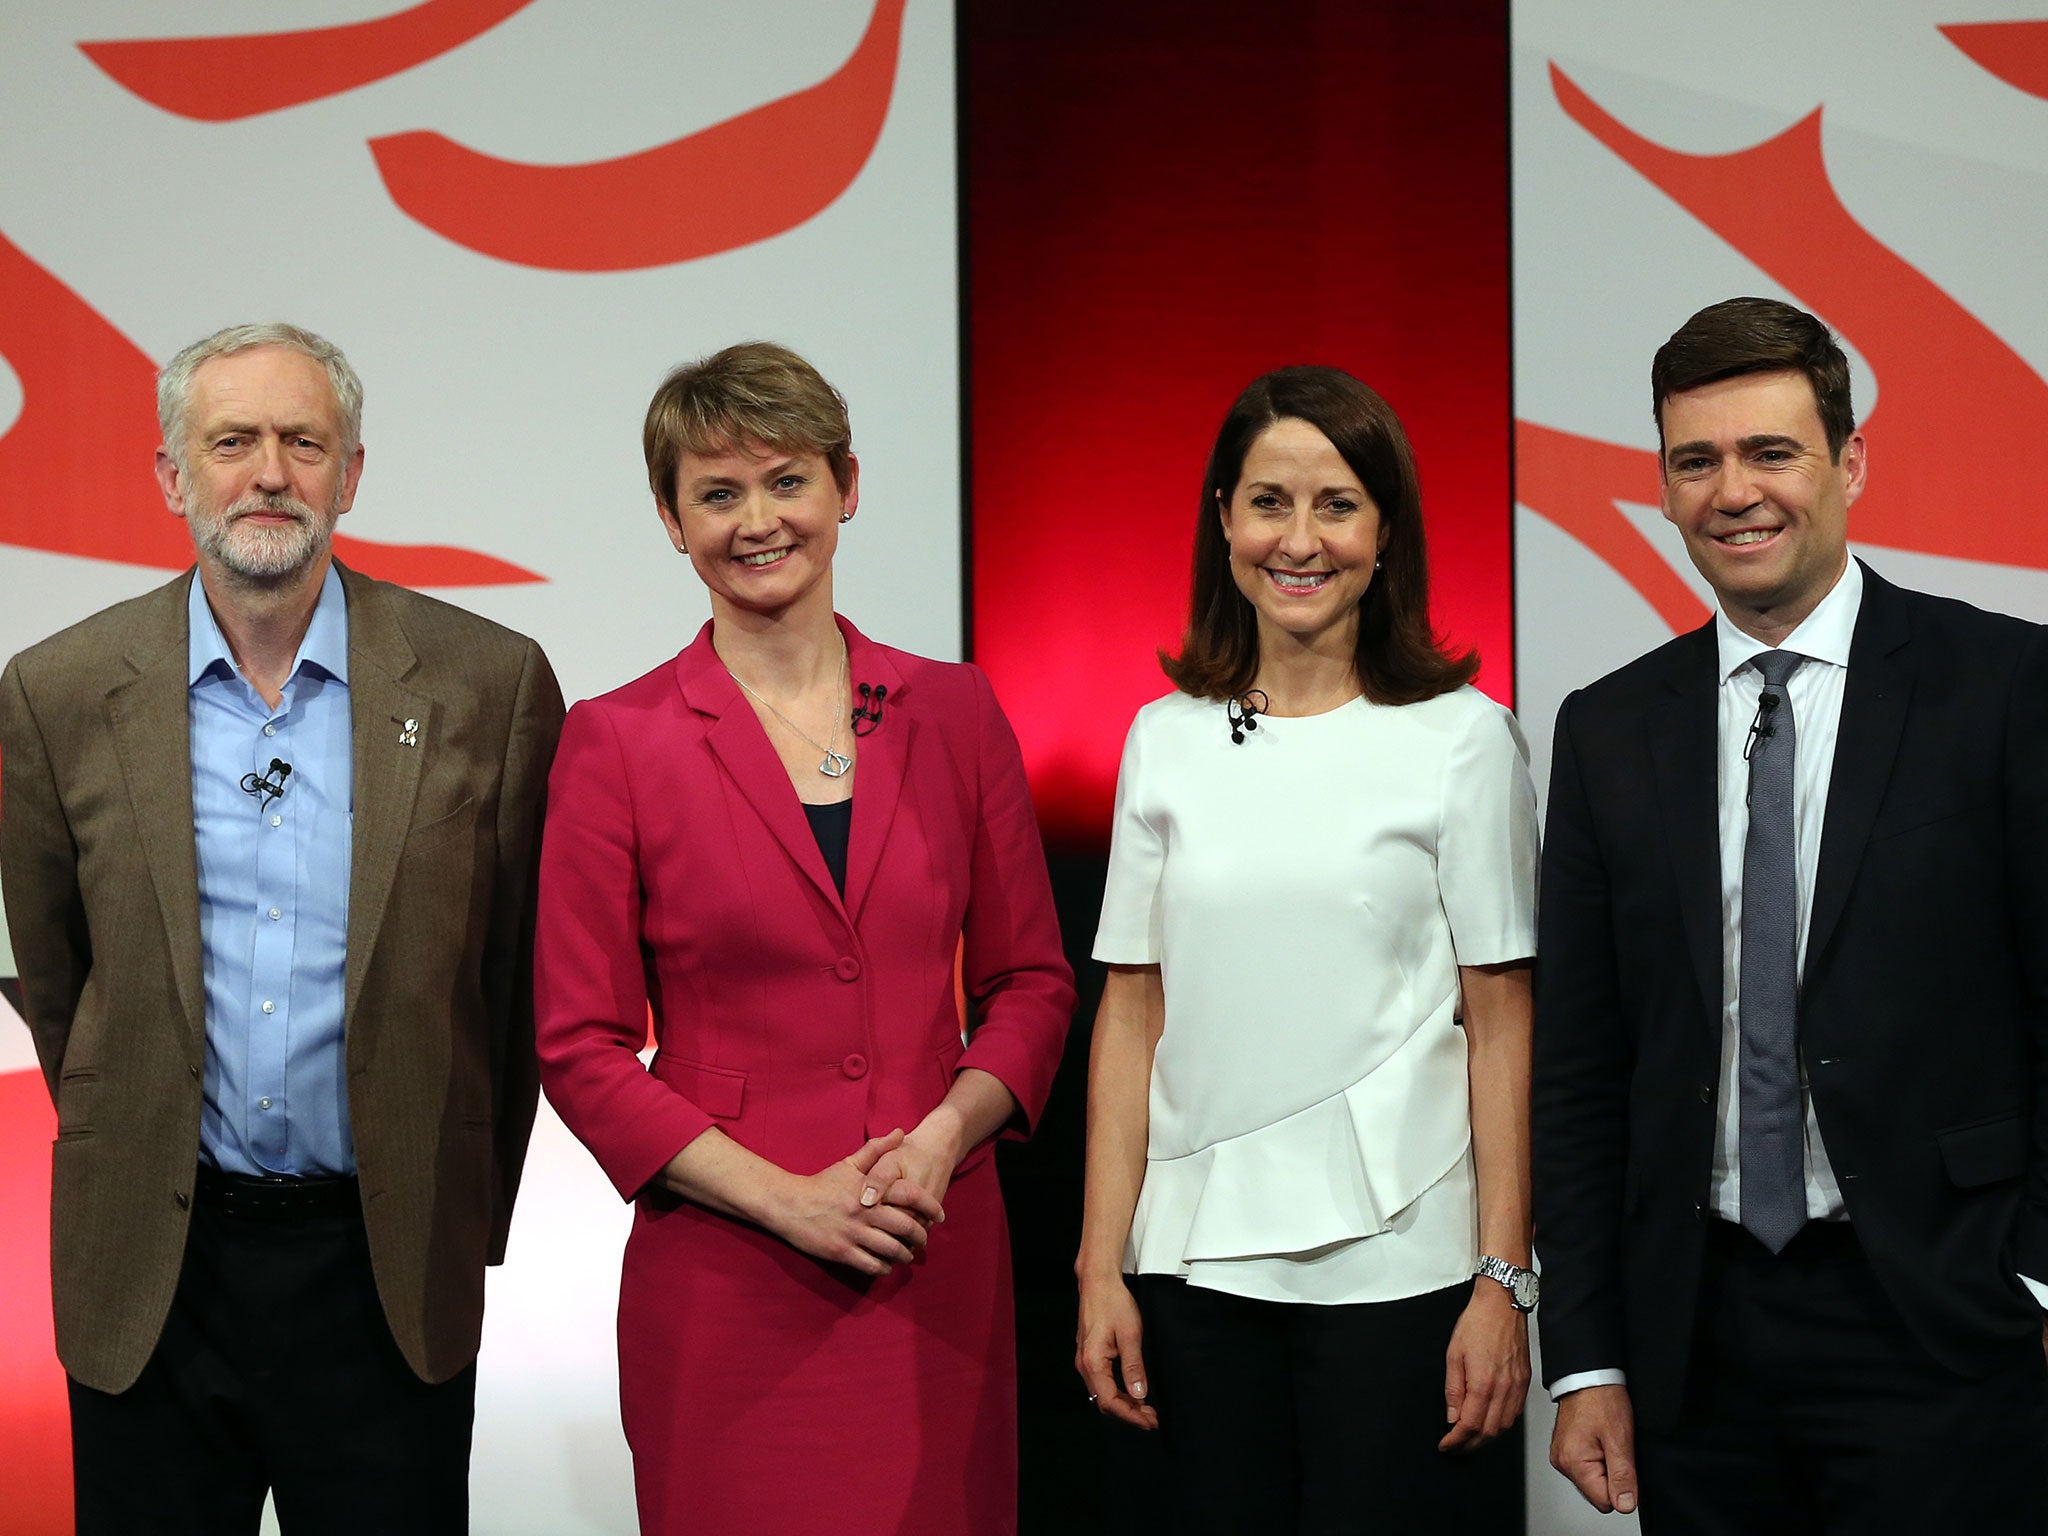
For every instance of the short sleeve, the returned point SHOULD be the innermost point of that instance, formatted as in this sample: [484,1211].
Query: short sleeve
[1129,933]
[1487,841]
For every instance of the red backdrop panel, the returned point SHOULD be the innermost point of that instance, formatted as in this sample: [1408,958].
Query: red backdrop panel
[35,1435]
[1163,201]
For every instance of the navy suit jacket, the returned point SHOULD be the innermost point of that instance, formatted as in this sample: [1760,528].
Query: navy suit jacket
[1923,1012]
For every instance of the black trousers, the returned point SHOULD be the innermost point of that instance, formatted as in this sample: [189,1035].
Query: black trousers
[1809,1407]
[275,1372]
[1279,1418]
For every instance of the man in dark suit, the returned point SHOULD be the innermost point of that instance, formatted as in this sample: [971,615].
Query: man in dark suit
[1791,1082]
[268,838]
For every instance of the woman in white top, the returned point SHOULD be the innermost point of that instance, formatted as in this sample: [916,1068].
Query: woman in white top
[1305,1250]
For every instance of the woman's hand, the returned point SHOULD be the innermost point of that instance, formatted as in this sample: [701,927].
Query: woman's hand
[915,1175]
[1486,1369]
[1110,1334]
[823,1215]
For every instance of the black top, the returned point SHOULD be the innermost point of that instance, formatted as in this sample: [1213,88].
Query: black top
[832,826]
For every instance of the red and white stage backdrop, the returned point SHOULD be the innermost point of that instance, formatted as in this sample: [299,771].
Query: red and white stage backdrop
[514,215]
[1882,163]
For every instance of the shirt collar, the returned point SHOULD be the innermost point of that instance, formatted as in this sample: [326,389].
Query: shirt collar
[1823,635]
[325,645]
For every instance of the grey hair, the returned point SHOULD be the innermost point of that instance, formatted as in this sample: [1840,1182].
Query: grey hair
[174,384]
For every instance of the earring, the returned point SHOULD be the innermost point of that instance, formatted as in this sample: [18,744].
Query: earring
[684,549]
[846,517]
[1375,562]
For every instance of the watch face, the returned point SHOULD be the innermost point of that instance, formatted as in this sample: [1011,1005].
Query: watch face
[1525,1290]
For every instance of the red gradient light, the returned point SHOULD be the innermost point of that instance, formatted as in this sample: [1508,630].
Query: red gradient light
[1164,201]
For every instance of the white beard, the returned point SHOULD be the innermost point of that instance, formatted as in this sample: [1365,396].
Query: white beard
[256,553]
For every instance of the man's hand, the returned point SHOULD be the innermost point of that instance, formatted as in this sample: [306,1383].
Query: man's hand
[1594,1444]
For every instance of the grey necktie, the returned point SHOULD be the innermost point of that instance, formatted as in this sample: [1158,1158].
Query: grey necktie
[1773,1119]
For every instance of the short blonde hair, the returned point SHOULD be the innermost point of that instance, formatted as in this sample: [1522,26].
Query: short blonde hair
[755,392]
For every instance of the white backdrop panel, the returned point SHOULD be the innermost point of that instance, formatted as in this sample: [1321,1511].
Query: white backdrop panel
[503,413]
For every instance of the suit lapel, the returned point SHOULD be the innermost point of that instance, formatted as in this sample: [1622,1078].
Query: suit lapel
[884,752]
[1684,749]
[743,750]
[385,770]
[1875,696]
[149,714]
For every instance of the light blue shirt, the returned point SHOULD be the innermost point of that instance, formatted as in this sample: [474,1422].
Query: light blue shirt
[273,899]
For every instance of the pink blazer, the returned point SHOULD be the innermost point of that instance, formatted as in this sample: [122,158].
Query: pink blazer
[679,871]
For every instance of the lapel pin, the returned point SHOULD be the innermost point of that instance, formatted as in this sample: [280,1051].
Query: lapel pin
[409,736]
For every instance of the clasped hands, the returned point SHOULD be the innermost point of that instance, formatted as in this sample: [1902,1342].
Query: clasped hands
[875,1209]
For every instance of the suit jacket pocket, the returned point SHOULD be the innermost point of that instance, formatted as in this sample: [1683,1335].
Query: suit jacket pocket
[442,828]
[718,1091]
[1984,1153]
[76,1091]
[1913,816]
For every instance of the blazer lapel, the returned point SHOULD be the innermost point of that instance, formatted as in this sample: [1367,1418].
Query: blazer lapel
[749,759]
[1684,750]
[150,717]
[878,782]
[1875,696]
[385,770]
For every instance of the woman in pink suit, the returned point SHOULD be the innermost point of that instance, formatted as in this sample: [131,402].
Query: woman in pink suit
[783,841]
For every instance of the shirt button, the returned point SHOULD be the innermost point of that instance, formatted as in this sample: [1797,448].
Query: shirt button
[275,914]
[270,730]
[855,1066]
[846,968]
[269,1006]
[263,1103]
[277,821]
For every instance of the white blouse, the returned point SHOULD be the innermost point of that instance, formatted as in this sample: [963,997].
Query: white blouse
[1309,896]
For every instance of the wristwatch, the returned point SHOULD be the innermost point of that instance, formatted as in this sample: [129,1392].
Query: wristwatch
[1522,1286]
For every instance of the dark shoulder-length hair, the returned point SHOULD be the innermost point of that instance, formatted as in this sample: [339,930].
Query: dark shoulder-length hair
[1399,659]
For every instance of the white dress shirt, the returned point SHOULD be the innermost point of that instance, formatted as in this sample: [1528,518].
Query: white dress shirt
[1814,692]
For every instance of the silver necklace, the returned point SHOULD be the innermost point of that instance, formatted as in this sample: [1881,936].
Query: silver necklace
[834,765]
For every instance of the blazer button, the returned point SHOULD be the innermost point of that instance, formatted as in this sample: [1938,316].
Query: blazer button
[1706,1093]
[855,1066]
[846,968]
[184,1200]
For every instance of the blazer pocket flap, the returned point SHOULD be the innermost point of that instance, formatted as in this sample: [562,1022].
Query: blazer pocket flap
[1986,1152]
[718,1091]
[433,833]
[1911,816]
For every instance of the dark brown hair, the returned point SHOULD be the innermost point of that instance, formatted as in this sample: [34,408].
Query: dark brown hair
[1399,660]
[1741,336]
[754,392]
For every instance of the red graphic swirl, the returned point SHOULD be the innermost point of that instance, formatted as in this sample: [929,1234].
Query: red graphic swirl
[219,79]
[2015,51]
[1958,394]
[732,184]
[88,410]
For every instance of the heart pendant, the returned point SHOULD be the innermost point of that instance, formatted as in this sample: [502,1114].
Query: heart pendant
[835,765]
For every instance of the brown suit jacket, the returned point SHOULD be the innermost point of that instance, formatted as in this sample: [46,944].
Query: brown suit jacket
[100,878]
